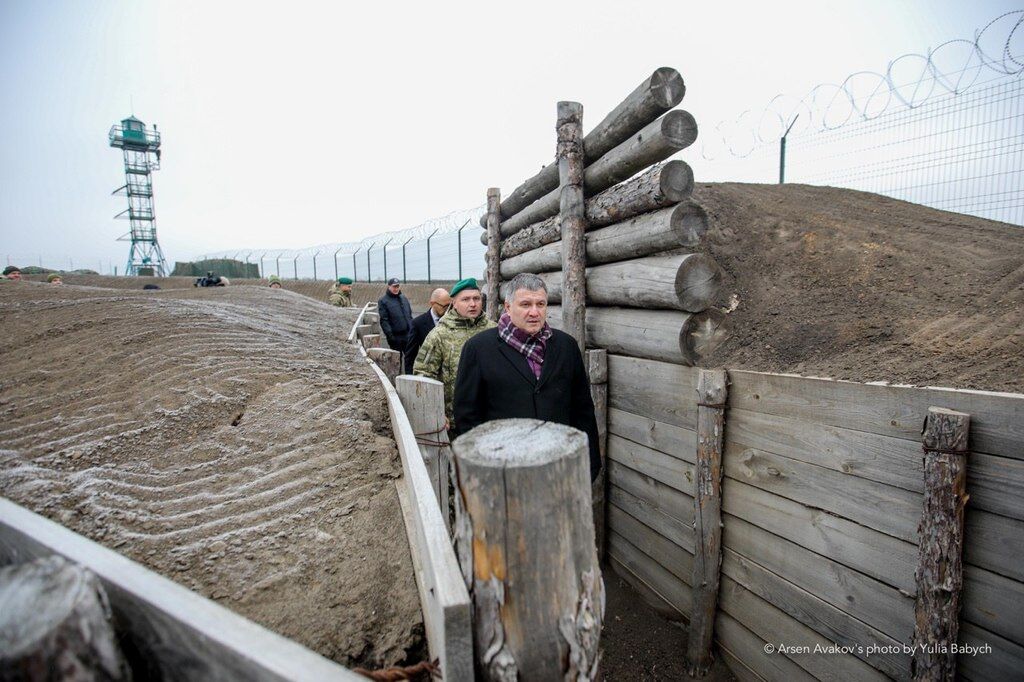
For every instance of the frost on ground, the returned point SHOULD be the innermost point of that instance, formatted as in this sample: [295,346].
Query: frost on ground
[225,438]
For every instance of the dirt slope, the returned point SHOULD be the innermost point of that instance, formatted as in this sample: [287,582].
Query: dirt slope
[851,285]
[223,437]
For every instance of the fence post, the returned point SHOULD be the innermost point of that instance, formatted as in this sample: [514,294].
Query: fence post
[295,268]
[384,250]
[428,253]
[707,518]
[314,263]
[370,341]
[493,252]
[939,573]
[460,246]
[390,361]
[362,330]
[572,220]
[423,400]
[355,270]
[369,272]
[537,607]
[597,370]
[336,263]
[405,273]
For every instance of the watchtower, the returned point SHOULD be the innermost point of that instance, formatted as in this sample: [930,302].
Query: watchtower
[141,149]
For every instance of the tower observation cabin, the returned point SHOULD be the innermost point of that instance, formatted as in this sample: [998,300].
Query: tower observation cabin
[141,147]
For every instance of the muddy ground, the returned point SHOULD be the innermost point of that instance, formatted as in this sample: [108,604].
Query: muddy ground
[851,285]
[225,438]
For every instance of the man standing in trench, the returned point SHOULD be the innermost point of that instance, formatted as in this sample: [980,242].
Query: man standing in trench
[525,369]
[439,356]
[422,324]
[395,314]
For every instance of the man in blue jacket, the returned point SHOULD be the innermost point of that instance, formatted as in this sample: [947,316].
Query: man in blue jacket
[395,316]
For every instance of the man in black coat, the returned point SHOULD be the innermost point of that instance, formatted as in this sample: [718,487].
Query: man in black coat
[395,315]
[525,369]
[422,324]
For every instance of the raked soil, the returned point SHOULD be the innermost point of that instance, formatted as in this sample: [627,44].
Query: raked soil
[225,438]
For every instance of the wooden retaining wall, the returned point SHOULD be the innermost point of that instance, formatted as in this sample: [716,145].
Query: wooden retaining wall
[821,501]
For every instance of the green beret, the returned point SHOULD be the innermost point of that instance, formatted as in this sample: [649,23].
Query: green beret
[52,276]
[344,280]
[468,283]
[273,278]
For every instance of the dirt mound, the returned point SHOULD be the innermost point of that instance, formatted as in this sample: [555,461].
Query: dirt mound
[223,437]
[851,285]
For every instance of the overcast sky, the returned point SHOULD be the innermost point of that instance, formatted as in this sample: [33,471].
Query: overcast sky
[298,123]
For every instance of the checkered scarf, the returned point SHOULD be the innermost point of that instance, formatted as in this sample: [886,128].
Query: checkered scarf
[531,346]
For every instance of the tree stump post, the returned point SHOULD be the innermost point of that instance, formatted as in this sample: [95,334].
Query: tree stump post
[597,370]
[390,361]
[939,573]
[493,253]
[373,321]
[362,330]
[707,518]
[572,221]
[423,400]
[55,624]
[525,541]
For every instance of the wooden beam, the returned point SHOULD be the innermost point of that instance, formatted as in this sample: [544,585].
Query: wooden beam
[657,94]
[707,561]
[526,545]
[659,187]
[597,371]
[175,627]
[572,224]
[659,140]
[690,282]
[370,341]
[423,400]
[493,257]
[939,573]
[388,360]
[681,226]
[667,335]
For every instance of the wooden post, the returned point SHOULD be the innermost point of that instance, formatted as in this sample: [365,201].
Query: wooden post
[707,518]
[569,155]
[371,341]
[55,623]
[597,370]
[373,320]
[939,566]
[493,253]
[362,330]
[423,400]
[525,541]
[388,360]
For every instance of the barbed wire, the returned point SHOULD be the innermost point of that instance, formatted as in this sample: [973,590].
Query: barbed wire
[996,52]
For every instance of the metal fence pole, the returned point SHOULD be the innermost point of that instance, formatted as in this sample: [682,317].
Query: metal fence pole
[385,250]
[355,270]
[782,152]
[319,251]
[405,274]
[428,253]
[278,262]
[369,272]
[295,267]
[460,246]
[336,262]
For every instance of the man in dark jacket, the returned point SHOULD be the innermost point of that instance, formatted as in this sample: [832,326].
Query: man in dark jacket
[395,315]
[525,369]
[422,324]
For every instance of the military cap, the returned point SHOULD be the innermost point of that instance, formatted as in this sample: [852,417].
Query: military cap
[52,276]
[462,284]
[344,280]
[11,268]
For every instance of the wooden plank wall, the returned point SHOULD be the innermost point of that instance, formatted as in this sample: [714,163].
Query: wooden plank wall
[821,500]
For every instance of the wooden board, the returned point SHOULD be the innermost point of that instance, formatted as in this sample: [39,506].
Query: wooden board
[1005,662]
[668,554]
[662,391]
[773,625]
[447,609]
[827,620]
[664,524]
[891,510]
[658,579]
[663,468]
[173,627]
[994,542]
[878,555]
[881,607]
[997,419]
[665,498]
[672,440]
[749,648]
[994,603]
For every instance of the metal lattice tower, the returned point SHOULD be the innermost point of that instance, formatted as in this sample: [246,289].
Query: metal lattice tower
[141,157]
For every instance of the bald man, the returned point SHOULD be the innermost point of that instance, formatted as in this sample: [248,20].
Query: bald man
[422,324]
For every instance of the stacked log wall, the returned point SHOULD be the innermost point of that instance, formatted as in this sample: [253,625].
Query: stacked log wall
[821,501]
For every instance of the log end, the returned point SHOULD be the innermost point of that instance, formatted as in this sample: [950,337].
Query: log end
[679,127]
[946,430]
[698,282]
[500,444]
[702,334]
[676,180]
[667,87]
[690,222]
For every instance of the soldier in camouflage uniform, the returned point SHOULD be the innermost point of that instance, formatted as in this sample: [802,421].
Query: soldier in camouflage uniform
[438,357]
[341,293]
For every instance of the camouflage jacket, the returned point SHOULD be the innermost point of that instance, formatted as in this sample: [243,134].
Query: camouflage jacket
[439,355]
[339,297]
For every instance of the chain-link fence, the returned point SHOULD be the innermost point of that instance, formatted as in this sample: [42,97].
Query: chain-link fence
[944,129]
[440,249]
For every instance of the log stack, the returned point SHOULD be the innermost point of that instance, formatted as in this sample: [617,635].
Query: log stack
[649,287]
